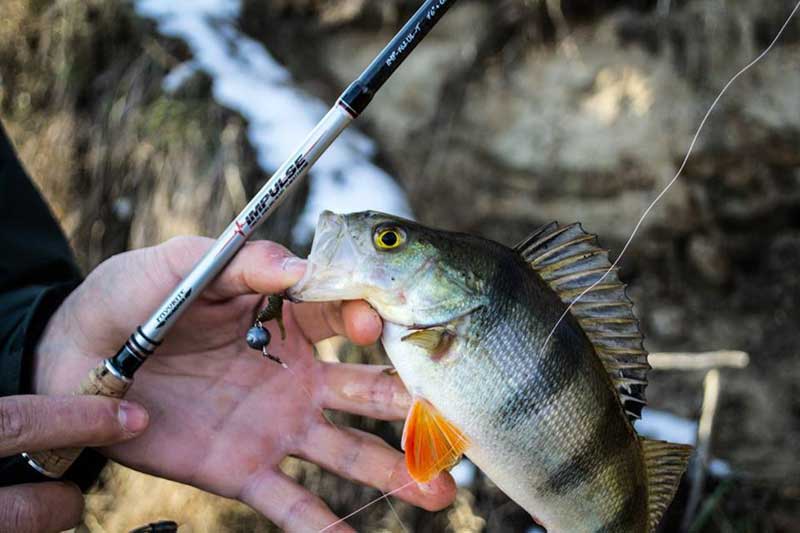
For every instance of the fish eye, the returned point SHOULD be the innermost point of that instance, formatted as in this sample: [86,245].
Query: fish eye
[389,238]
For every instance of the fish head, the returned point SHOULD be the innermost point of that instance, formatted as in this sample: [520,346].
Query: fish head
[398,266]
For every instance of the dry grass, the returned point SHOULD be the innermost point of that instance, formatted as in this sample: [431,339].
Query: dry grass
[125,165]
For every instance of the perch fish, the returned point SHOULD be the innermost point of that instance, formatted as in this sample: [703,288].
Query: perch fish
[467,325]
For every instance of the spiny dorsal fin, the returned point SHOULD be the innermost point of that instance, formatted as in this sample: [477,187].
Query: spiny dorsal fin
[665,463]
[570,261]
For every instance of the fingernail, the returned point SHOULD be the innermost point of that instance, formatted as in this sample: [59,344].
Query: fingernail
[426,488]
[295,266]
[132,417]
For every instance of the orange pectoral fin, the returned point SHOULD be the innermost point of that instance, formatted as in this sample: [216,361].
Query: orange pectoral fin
[431,443]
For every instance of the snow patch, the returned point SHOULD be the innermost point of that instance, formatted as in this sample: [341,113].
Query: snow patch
[660,425]
[464,473]
[178,76]
[246,79]
[719,468]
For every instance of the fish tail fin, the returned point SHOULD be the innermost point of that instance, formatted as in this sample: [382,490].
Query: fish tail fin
[665,463]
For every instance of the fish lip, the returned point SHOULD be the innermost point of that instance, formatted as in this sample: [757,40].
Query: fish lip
[323,271]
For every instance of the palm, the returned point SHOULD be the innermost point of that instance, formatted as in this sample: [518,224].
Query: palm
[223,417]
[230,415]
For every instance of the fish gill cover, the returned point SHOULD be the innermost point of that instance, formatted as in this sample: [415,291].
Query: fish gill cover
[583,121]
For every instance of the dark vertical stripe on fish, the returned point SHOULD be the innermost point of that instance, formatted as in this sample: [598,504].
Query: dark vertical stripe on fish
[631,516]
[609,437]
[555,369]
[541,387]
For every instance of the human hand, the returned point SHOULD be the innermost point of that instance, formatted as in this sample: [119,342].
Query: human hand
[34,423]
[222,417]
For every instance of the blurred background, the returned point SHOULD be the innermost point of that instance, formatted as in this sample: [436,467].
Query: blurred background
[146,119]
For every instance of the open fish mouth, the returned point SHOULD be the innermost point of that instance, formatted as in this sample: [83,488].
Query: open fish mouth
[332,263]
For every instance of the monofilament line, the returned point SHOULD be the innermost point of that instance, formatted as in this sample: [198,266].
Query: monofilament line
[677,174]
[386,496]
[337,428]
[373,502]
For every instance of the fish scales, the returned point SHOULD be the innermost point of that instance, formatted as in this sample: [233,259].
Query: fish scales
[535,383]
[540,416]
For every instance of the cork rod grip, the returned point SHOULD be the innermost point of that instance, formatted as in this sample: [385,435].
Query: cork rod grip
[101,381]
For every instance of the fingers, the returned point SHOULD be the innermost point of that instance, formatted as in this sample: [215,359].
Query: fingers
[290,506]
[368,460]
[260,267]
[40,507]
[364,390]
[34,423]
[356,320]
[139,280]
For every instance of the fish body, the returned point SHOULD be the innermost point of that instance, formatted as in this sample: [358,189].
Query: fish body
[469,329]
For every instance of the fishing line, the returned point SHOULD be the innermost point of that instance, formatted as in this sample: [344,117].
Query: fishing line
[338,429]
[636,228]
[373,502]
[635,231]
[677,174]
[394,511]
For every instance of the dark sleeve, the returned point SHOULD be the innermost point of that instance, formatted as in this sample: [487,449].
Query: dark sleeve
[37,272]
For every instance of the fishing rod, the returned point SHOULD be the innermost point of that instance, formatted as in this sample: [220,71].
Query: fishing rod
[114,376]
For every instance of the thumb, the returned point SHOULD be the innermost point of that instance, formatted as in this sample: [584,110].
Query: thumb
[34,423]
[260,267]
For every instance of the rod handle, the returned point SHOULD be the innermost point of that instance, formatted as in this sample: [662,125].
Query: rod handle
[103,380]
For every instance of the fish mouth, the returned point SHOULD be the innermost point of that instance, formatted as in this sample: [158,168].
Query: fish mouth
[332,263]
